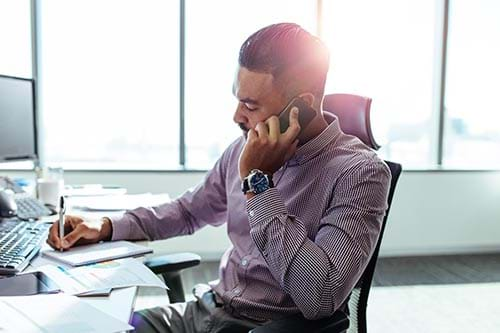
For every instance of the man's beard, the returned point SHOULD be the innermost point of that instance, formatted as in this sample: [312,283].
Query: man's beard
[244,129]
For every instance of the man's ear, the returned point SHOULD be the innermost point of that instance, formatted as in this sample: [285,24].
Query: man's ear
[308,98]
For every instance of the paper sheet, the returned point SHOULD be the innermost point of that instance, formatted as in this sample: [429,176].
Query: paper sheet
[57,313]
[92,190]
[102,277]
[117,202]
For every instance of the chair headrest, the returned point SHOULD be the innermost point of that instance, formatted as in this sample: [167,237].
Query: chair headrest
[353,113]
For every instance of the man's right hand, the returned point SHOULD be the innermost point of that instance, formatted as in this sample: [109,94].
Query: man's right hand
[79,231]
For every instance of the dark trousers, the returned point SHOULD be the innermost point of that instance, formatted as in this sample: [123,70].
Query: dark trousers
[200,315]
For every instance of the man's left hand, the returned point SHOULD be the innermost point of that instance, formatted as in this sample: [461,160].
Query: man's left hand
[266,148]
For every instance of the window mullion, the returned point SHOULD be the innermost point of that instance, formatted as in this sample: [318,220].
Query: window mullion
[35,68]
[319,18]
[182,49]
[442,80]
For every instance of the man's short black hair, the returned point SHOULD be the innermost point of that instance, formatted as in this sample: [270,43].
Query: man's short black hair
[297,60]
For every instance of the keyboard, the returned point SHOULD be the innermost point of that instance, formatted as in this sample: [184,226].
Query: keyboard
[19,243]
[29,207]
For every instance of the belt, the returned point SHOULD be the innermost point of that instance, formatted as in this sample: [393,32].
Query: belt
[207,296]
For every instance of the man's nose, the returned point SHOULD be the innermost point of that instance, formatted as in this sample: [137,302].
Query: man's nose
[239,116]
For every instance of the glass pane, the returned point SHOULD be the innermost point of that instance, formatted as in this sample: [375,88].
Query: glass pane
[15,38]
[110,83]
[15,49]
[212,45]
[472,132]
[385,50]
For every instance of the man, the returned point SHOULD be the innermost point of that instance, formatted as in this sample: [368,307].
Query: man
[304,228]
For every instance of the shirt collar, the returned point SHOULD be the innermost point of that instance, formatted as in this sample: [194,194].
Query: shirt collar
[314,146]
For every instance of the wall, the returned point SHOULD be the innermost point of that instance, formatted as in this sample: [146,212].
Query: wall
[433,212]
[444,212]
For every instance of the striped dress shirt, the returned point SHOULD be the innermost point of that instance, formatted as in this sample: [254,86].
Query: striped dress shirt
[298,247]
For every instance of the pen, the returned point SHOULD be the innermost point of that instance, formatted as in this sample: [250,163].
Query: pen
[62,210]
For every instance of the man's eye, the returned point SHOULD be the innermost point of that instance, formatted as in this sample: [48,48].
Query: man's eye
[249,108]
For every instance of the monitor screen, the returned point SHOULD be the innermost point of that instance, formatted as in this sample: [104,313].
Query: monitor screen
[17,119]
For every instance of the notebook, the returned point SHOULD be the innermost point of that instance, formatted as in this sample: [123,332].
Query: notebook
[89,254]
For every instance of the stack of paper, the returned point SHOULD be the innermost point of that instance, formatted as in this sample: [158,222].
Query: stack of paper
[117,202]
[92,190]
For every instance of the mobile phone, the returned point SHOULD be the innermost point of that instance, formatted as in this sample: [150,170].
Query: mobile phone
[306,114]
[28,284]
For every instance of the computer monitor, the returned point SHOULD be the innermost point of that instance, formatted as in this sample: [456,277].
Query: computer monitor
[17,119]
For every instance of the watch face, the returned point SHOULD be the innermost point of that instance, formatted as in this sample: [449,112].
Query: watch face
[259,182]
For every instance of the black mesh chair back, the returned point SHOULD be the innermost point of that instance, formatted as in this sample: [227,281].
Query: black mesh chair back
[353,113]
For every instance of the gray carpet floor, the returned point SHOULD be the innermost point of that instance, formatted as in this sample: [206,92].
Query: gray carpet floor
[437,270]
[404,271]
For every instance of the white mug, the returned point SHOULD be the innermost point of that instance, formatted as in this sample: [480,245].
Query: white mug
[49,190]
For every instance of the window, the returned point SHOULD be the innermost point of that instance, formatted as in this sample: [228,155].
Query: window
[472,135]
[215,31]
[109,83]
[109,76]
[15,55]
[15,38]
[385,50]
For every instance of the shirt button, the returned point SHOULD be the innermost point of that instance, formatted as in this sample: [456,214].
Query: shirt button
[251,213]
[244,262]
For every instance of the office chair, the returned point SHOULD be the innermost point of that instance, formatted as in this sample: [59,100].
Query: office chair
[353,113]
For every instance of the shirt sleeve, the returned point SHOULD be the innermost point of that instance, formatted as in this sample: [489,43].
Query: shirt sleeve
[319,274]
[205,204]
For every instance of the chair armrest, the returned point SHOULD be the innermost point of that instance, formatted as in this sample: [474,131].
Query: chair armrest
[169,267]
[338,322]
[172,262]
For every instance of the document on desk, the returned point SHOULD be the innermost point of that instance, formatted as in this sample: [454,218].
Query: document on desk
[57,313]
[101,278]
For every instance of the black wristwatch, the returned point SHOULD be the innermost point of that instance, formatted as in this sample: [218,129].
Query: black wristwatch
[257,182]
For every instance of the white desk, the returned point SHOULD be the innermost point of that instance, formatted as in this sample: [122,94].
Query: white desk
[122,302]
